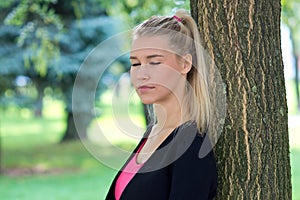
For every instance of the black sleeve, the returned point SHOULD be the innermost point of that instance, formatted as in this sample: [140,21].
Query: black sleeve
[194,178]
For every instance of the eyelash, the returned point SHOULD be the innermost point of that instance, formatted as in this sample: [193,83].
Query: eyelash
[151,63]
[135,64]
[155,63]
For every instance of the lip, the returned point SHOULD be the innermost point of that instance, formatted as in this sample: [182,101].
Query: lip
[145,88]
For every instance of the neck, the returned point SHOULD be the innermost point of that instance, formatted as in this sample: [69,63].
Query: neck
[169,115]
[169,112]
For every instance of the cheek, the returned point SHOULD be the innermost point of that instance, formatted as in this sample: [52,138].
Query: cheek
[133,76]
[167,77]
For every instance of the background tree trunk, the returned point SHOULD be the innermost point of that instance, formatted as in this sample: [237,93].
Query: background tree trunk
[74,132]
[297,80]
[243,38]
[40,87]
[71,131]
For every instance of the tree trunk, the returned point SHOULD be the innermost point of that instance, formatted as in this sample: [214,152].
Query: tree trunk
[71,132]
[40,87]
[297,81]
[243,38]
[77,127]
[74,132]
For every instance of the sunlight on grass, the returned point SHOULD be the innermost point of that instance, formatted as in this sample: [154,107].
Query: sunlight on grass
[32,143]
[294,138]
[69,155]
[17,130]
[116,130]
[295,163]
[29,144]
[87,185]
[122,119]
[53,108]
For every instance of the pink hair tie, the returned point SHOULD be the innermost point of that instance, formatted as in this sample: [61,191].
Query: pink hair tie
[177,18]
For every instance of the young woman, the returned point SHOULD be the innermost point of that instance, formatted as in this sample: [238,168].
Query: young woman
[168,73]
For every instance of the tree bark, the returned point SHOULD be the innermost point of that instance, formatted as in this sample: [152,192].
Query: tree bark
[76,126]
[76,131]
[243,38]
[40,87]
[71,132]
[297,81]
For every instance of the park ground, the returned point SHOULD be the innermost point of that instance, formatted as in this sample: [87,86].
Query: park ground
[35,166]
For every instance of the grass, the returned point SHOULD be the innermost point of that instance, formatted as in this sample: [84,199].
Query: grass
[43,169]
[294,139]
[89,185]
[46,170]
[295,164]
[37,167]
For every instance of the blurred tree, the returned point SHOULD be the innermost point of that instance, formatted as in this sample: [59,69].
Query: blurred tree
[133,12]
[87,32]
[252,153]
[291,17]
[47,41]
[26,43]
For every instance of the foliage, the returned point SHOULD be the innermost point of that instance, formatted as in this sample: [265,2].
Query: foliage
[36,20]
[135,11]
[291,17]
[48,40]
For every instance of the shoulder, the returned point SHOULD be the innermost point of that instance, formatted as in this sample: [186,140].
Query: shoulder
[193,176]
[182,145]
[190,155]
[187,146]
[186,139]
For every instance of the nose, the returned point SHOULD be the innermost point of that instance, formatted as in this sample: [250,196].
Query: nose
[142,73]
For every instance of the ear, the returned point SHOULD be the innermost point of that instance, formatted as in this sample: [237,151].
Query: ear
[187,63]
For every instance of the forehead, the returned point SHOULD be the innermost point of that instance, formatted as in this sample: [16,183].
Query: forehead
[150,43]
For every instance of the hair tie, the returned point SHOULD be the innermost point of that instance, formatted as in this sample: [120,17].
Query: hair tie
[177,18]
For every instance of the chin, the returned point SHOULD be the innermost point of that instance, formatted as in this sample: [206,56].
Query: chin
[147,102]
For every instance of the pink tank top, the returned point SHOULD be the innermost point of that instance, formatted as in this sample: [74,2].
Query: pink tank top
[127,174]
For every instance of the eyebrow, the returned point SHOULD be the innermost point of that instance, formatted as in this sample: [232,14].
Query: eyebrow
[148,57]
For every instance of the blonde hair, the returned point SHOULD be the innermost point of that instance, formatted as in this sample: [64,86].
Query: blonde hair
[184,38]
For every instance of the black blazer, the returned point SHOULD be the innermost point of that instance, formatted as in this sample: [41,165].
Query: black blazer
[174,171]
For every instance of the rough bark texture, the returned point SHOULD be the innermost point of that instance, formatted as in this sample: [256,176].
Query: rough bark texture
[71,131]
[243,38]
[76,129]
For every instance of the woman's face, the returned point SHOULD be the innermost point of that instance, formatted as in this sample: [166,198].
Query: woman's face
[156,71]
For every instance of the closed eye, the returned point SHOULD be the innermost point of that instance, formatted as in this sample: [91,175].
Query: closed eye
[135,64]
[155,63]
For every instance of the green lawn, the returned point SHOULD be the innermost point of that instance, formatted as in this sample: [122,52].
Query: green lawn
[44,169]
[295,164]
[37,167]
[86,184]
